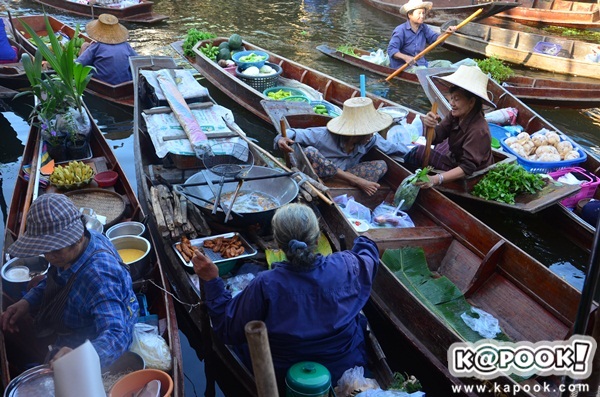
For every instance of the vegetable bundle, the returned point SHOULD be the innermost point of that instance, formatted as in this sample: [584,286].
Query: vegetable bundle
[505,181]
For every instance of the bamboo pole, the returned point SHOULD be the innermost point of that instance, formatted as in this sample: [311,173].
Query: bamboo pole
[262,362]
[440,40]
[429,137]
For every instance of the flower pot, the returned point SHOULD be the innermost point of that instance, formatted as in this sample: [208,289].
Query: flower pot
[58,152]
[77,150]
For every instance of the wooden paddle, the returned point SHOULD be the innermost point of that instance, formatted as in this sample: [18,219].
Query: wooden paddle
[429,138]
[440,40]
[31,184]
[283,128]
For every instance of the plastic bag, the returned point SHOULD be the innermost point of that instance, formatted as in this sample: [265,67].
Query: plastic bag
[151,347]
[385,215]
[352,208]
[408,192]
[379,57]
[238,283]
[354,379]
[400,134]
[485,325]
[505,116]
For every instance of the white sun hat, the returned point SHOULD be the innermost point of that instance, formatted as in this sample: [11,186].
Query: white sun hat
[414,5]
[359,117]
[469,78]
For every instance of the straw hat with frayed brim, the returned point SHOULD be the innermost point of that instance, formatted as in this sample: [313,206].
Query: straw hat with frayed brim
[469,78]
[359,117]
[107,29]
[415,5]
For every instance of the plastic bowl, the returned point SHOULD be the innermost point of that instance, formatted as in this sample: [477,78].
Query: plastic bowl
[296,98]
[243,65]
[131,383]
[290,90]
[106,178]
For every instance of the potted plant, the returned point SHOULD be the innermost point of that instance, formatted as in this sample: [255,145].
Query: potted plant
[59,94]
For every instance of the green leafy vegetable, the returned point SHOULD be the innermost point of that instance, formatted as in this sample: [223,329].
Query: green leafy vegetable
[193,36]
[405,383]
[505,181]
[348,50]
[496,68]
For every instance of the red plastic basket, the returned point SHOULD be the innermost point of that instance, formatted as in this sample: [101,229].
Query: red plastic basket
[588,187]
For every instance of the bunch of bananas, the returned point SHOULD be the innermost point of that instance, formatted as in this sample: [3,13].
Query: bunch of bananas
[75,173]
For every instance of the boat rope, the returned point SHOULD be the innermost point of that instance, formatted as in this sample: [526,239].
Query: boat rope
[190,305]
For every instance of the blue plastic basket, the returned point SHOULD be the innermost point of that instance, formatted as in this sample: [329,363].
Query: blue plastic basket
[244,65]
[331,109]
[292,91]
[542,167]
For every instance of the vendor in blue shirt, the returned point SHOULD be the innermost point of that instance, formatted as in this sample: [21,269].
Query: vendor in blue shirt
[8,52]
[410,38]
[336,151]
[310,303]
[110,53]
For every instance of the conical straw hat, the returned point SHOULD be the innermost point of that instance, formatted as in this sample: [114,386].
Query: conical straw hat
[107,29]
[469,78]
[414,5]
[359,117]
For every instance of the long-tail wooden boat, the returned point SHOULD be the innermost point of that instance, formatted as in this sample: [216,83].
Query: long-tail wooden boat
[573,227]
[548,92]
[138,13]
[121,94]
[570,14]
[530,302]
[550,53]
[152,283]
[332,90]
[152,172]
[445,10]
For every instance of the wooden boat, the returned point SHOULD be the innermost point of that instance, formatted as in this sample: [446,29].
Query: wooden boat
[570,14]
[445,10]
[121,94]
[530,302]
[548,92]
[550,53]
[7,92]
[138,13]
[151,172]
[573,227]
[153,284]
[12,75]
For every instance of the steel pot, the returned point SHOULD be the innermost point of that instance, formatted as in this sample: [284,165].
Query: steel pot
[17,272]
[281,190]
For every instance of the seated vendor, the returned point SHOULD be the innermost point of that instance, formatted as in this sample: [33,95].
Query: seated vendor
[336,151]
[86,295]
[110,53]
[8,53]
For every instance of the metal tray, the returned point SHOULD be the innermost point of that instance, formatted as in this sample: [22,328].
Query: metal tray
[215,256]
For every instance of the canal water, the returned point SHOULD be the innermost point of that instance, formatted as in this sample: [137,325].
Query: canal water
[292,29]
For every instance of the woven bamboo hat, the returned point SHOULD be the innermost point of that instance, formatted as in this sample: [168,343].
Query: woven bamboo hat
[469,78]
[414,5]
[107,29]
[359,117]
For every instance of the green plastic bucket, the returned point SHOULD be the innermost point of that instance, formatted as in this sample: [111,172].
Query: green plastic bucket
[308,379]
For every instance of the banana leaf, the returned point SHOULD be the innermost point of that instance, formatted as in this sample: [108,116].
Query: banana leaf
[439,294]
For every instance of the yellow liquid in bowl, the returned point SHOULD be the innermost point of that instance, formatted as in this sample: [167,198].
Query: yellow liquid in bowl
[129,255]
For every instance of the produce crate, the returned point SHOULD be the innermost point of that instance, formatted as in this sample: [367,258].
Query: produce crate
[546,48]
[261,83]
[542,167]
[588,187]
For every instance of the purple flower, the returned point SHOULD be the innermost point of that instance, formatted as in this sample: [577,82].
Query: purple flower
[44,126]
[53,133]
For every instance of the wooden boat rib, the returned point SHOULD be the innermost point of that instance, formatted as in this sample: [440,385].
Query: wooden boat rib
[138,13]
[570,14]
[573,227]
[446,10]
[530,302]
[148,167]
[121,94]
[531,90]
[153,284]
[519,48]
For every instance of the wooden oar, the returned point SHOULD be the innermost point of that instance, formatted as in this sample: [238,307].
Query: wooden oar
[283,129]
[429,138]
[262,362]
[440,40]
[33,179]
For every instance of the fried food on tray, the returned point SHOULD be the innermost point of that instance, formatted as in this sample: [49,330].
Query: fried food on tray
[226,247]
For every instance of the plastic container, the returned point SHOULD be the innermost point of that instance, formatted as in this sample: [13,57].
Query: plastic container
[546,48]
[244,65]
[307,378]
[588,187]
[260,83]
[106,178]
[332,110]
[292,91]
[133,382]
[296,98]
[539,167]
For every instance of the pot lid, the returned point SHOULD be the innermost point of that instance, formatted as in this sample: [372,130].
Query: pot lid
[308,377]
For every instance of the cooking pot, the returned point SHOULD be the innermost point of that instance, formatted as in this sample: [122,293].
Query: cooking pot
[139,267]
[308,379]
[281,190]
[17,272]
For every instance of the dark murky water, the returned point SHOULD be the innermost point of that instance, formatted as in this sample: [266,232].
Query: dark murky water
[292,29]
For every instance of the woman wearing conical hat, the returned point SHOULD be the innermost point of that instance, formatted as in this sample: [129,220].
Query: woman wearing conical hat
[411,37]
[336,151]
[463,140]
[111,51]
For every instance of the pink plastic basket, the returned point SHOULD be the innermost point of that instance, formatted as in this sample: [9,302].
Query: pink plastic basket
[588,188]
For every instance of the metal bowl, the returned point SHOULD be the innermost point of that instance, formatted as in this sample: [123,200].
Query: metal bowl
[17,272]
[140,266]
[129,228]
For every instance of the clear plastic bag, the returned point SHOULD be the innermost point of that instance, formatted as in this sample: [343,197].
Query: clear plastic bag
[380,57]
[408,192]
[385,215]
[238,283]
[484,323]
[354,379]
[151,346]
[352,208]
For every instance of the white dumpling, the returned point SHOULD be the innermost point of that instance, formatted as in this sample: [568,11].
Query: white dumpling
[546,149]
[529,147]
[553,138]
[510,140]
[564,147]
[539,140]
[518,149]
[572,155]
[549,157]
[523,137]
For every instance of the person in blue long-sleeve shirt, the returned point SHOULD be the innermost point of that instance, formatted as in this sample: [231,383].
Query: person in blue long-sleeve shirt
[310,303]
